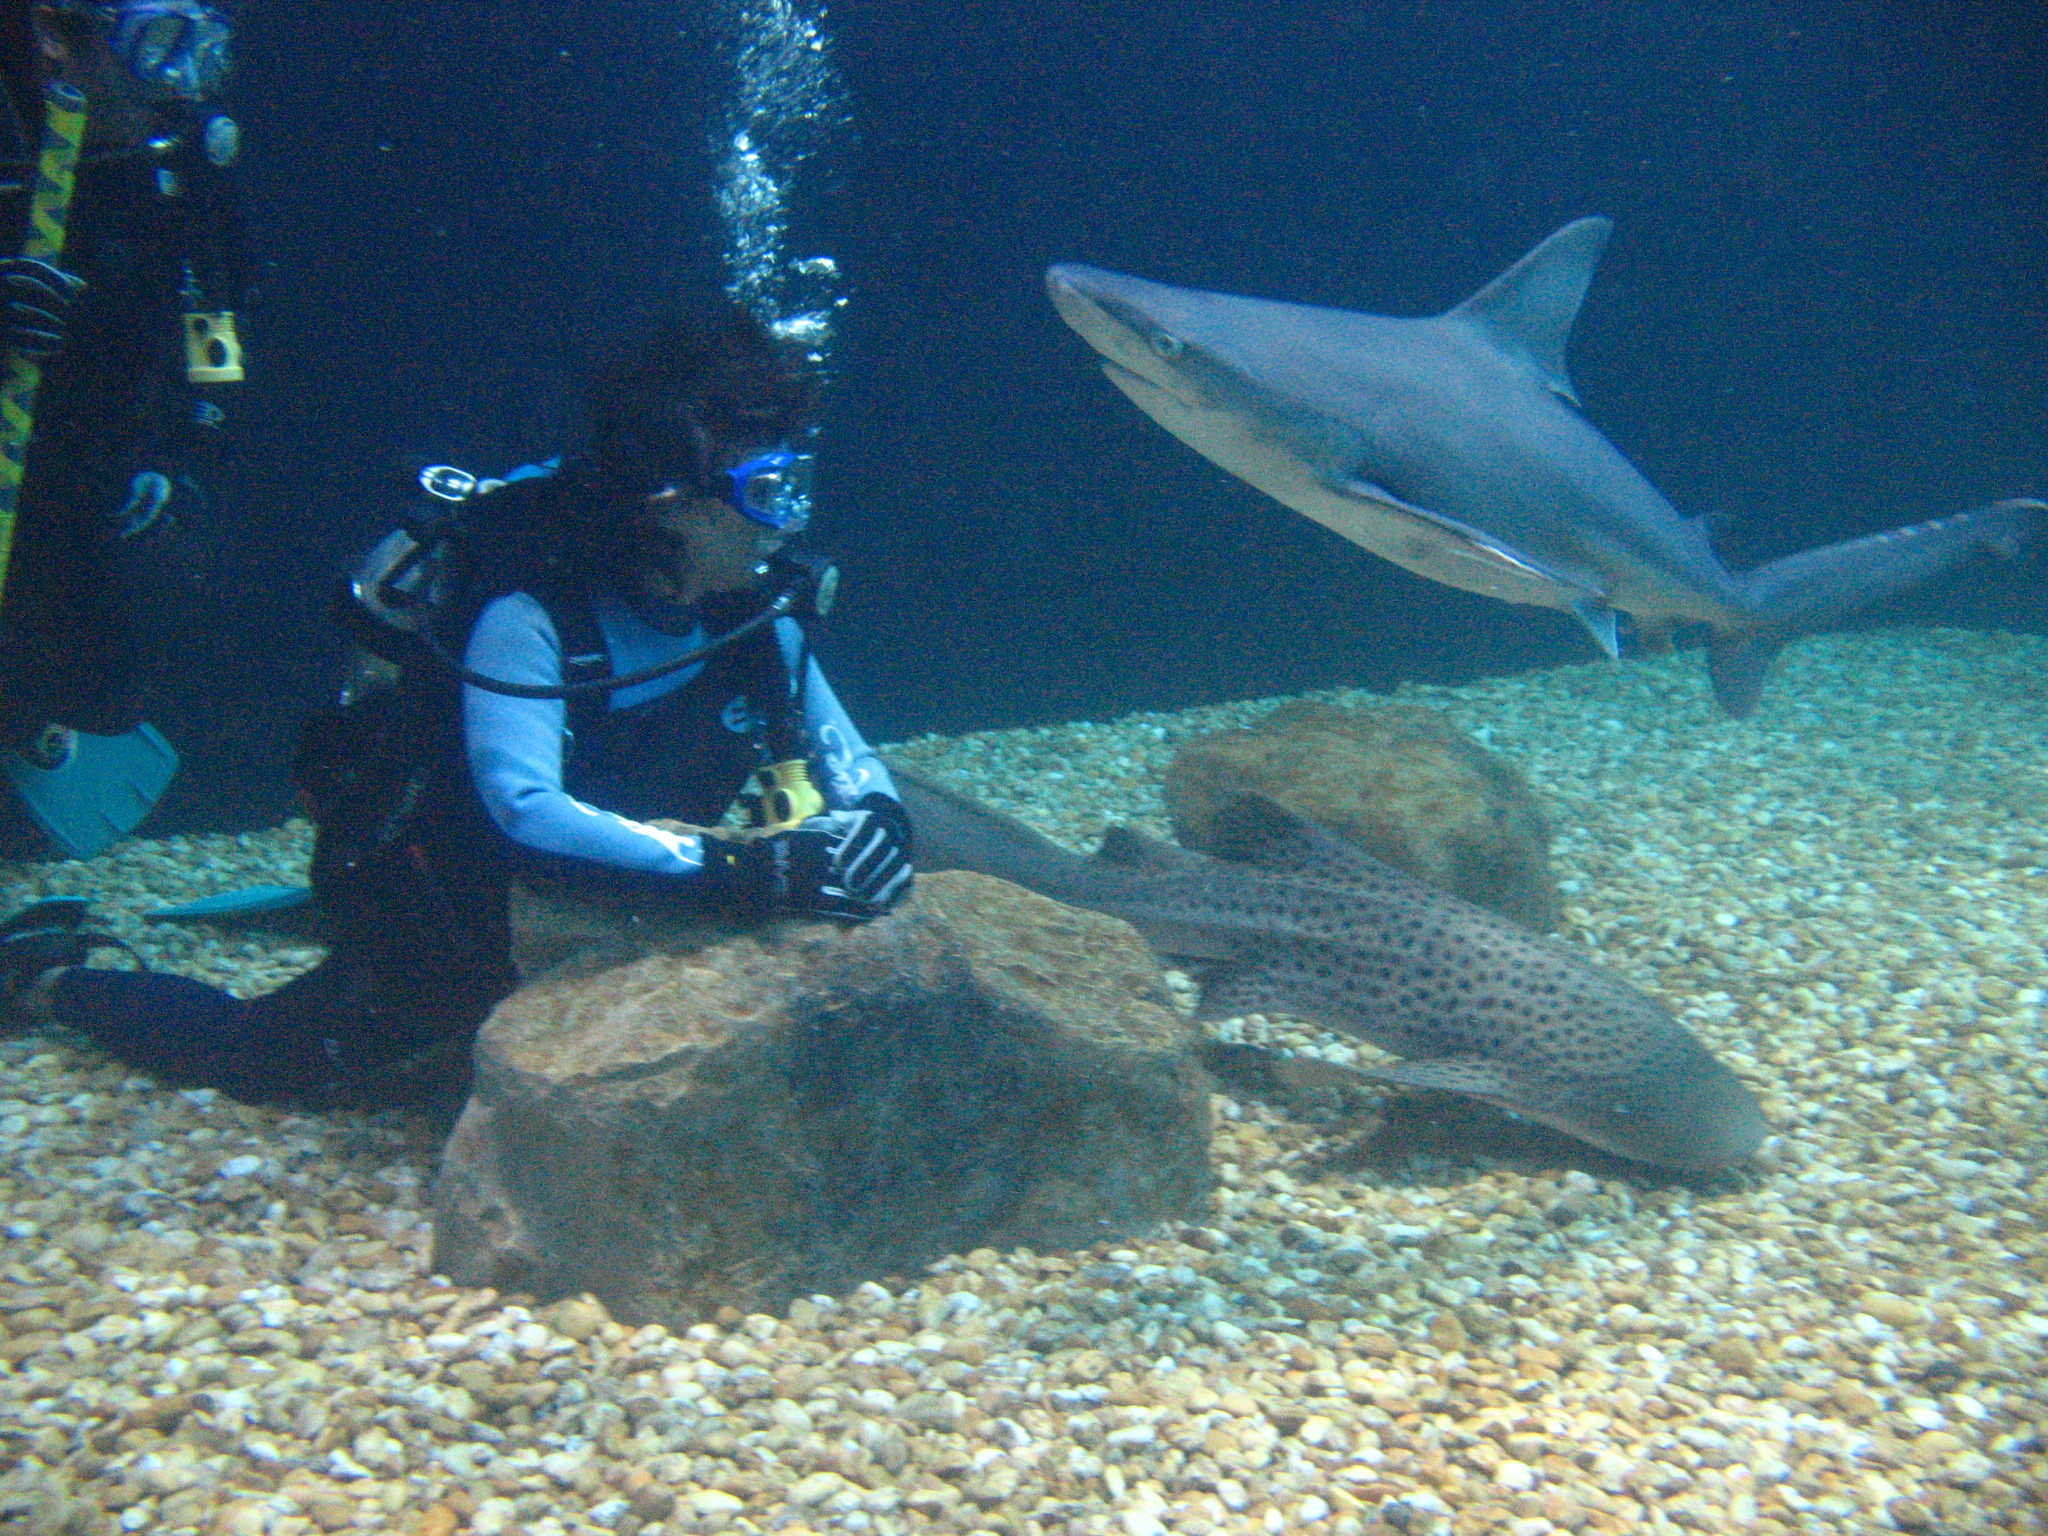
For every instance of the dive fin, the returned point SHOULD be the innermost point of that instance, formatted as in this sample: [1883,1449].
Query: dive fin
[100,793]
[247,902]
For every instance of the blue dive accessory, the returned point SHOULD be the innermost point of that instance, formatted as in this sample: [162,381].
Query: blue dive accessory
[774,490]
[176,48]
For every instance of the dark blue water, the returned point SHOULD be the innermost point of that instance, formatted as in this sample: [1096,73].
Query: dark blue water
[1824,310]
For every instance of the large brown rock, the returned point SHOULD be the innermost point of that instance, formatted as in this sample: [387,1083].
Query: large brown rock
[798,1111]
[1403,783]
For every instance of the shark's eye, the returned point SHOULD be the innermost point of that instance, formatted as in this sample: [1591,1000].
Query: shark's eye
[1166,344]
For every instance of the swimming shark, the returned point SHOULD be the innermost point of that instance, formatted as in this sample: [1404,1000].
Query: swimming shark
[1453,446]
[1316,927]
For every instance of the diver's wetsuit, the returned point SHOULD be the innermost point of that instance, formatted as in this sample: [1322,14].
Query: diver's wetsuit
[113,402]
[542,771]
[421,951]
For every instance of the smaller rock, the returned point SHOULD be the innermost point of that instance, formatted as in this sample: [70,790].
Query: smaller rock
[1447,1333]
[706,1502]
[1515,1476]
[1733,1352]
[577,1317]
[1966,1469]
[1403,783]
[815,1489]
[1894,1311]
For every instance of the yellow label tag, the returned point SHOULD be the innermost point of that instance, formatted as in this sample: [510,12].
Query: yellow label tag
[788,796]
[213,352]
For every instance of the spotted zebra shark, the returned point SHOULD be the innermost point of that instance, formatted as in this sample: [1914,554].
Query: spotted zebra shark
[1313,926]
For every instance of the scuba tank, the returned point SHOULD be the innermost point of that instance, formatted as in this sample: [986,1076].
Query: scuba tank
[426,580]
[417,573]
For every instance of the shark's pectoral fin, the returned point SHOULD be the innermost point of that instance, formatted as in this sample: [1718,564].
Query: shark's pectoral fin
[1500,1084]
[1459,555]
[1475,1075]
[1696,1117]
[1528,310]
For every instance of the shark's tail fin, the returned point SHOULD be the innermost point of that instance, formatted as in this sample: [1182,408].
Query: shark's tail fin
[1819,587]
[1737,660]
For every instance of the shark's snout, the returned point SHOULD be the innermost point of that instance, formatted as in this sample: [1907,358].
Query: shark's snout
[1087,299]
[1069,286]
[1070,277]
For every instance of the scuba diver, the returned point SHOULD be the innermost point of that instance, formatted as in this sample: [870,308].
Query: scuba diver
[132,327]
[625,673]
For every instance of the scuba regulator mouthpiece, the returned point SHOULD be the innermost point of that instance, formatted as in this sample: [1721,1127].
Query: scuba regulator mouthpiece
[807,584]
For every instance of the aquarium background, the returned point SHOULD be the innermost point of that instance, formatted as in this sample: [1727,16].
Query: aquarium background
[1823,312]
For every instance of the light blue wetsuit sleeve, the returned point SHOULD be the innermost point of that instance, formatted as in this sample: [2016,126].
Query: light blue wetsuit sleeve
[514,748]
[850,765]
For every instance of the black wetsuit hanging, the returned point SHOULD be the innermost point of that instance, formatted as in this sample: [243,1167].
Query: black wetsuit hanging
[157,233]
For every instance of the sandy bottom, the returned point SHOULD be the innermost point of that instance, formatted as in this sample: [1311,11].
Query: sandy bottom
[218,1318]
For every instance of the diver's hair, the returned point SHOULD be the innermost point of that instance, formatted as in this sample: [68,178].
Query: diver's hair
[660,416]
[701,387]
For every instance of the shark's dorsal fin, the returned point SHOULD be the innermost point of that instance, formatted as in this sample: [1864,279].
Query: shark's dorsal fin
[1251,828]
[1529,309]
[1132,850]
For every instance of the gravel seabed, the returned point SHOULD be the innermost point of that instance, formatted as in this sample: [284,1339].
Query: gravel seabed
[218,1318]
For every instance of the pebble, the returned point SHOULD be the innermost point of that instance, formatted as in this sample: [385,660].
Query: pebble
[219,1320]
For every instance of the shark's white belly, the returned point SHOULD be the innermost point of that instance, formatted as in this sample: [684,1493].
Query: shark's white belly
[1432,547]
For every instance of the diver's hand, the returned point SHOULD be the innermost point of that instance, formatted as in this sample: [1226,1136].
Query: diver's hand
[681,828]
[39,300]
[865,859]
[850,865]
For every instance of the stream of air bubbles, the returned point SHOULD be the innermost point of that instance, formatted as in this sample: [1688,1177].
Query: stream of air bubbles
[787,103]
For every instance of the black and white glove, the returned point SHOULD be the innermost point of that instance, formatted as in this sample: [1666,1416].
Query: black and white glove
[851,865]
[39,300]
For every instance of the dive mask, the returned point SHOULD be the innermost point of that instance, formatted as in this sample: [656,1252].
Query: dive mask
[177,49]
[772,489]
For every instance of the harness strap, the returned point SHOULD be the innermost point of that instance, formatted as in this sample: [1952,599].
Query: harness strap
[585,659]
[776,690]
